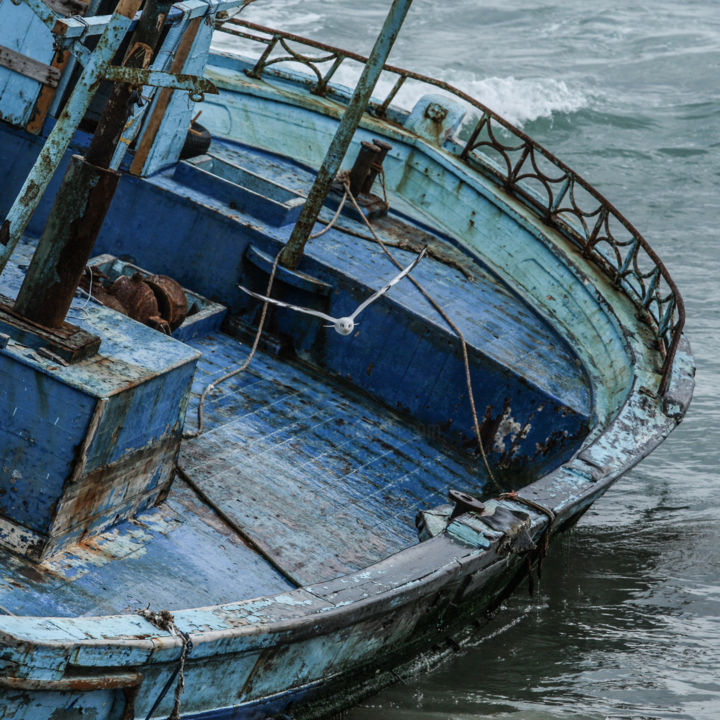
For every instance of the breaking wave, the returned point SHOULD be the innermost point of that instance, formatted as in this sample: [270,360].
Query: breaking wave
[522,101]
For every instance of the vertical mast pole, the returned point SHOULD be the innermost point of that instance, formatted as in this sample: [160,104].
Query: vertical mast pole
[293,250]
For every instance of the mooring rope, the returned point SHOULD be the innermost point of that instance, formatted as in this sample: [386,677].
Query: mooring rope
[241,368]
[201,404]
[544,542]
[164,620]
[345,180]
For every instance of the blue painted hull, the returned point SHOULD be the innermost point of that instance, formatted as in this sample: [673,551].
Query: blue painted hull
[306,546]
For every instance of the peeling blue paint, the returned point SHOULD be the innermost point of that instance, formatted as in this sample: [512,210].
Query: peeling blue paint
[287,548]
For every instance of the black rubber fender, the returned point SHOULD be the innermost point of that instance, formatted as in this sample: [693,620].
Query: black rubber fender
[197,141]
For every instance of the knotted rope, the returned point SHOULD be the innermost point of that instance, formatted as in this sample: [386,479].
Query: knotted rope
[343,177]
[164,620]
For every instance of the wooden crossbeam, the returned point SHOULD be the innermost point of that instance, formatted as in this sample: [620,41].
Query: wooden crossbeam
[24,65]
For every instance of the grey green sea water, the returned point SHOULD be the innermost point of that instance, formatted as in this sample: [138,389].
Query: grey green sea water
[626,622]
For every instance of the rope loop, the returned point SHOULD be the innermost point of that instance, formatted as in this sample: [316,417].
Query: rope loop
[244,366]
[344,178]
[164,620]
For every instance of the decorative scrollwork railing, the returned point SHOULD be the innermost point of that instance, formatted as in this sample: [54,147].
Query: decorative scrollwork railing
[523,168]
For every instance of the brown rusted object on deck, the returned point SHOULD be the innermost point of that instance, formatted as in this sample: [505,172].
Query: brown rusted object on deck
[136,297]
[171,299]
[377,164]
[156,300]
[362,166]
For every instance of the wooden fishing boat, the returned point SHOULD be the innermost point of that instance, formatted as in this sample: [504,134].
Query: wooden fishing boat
[214,506]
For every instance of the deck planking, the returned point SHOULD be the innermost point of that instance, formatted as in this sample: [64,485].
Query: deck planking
[325,481]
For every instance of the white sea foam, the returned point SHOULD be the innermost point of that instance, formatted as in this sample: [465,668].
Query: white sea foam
[517,100]
[523,100]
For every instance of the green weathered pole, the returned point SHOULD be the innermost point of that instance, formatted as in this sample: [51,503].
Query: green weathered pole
[293,250]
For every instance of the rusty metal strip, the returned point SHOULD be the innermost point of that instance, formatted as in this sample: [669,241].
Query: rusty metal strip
[158,78]
[78,684]
[47,93]
[90,433]
[29,67]
[163,98]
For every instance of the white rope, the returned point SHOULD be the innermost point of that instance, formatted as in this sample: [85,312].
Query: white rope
[445,317]
[258,333]
[344,179]
[89,297]
[243,367]
[335,217]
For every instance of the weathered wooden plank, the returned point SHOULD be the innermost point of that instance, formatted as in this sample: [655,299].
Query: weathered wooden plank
[165,132]
[47,94]
[29,67]
[346,477]
[18,24]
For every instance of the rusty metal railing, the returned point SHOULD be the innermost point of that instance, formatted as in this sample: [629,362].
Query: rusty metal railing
[523,168]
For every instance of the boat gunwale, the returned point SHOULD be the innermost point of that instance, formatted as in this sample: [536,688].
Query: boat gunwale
[593,482]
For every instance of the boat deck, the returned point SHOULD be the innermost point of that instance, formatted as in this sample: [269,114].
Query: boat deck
[321,479]
[299,478]
[317,478]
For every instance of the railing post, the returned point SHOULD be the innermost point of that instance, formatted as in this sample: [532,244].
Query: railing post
[293,250]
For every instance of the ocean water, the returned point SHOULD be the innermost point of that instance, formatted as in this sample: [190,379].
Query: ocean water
[626,622]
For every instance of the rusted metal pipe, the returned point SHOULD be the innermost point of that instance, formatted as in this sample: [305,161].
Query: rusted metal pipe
[78,683]
[85,194]
[362,166]
[66,243]
[293,250]
[140,53]
[376,165]
[58,141]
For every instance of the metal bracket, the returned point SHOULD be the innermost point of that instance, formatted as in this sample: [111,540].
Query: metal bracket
[136,76]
